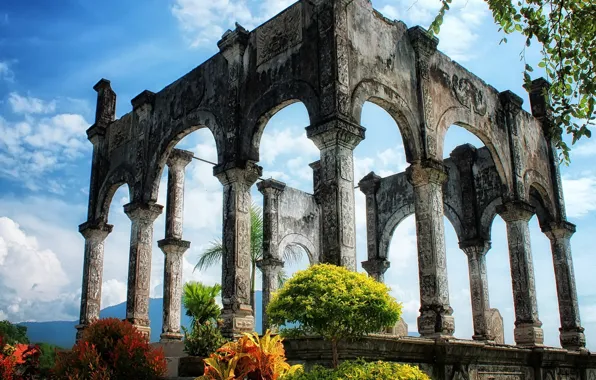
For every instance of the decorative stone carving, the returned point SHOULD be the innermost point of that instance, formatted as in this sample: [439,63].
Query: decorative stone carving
[275,37]
[468,95]
[495,326]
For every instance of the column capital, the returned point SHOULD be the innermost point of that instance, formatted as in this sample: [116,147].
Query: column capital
[475,247]
[93,230]
[559,230]
[511,102]
[376,266]
[335,131]
[146,212]
[270,263]
[539,99]
[271,185]
[513,211]
[424,43]
[370,183]
[233,43]
[173,246]
[246,172]
[179,158]
[426,171]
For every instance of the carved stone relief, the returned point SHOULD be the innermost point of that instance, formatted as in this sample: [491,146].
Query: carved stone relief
[275,36]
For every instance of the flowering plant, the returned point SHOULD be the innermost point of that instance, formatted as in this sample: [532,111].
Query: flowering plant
[19,361]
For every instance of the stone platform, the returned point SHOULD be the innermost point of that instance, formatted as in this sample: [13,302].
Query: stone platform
[453,359]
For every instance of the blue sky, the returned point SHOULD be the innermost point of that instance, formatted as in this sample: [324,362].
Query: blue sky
[52,53]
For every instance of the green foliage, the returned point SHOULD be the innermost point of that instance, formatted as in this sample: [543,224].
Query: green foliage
[334,303]
[47,359]
[199,301]
[13,334]
[203,339]
[360,370]
[566,32]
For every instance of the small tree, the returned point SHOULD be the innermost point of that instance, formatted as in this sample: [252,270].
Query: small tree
[335,303]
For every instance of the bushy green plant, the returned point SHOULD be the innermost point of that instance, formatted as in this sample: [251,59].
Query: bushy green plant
[361,370]
[334,303]
[202,339]
[13,334]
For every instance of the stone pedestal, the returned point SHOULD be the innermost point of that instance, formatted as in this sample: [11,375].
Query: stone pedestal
[270,269]
[237,312]
[142,216]
[571,332]
[528,331]
[476,252]
[435,318]
[95,234]
[336,139]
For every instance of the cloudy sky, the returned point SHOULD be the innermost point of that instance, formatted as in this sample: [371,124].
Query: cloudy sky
[52,53]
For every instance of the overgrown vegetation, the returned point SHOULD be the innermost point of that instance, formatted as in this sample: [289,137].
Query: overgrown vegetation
[361,370]
[566,33]
[335,303]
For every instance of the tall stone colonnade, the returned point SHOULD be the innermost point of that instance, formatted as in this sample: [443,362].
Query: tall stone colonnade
[333,56]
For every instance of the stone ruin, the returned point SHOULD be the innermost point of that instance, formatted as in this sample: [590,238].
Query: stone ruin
[333,56]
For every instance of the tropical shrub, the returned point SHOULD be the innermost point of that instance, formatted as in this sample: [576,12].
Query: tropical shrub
[360,370]
[111,349]
[204,336]
[335,303]
[19,361]
[12,333]
[251,357]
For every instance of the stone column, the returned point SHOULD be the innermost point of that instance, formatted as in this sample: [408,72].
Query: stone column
[528,331]
[476,251]
[336,140]
[173,246]
[142,216]
[237,311]
[571,332]
[427,178]
[95,234]
[270,268]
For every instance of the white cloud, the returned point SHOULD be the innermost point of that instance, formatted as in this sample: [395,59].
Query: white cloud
[6,72]
[113,292]
[390,12]
[286,142]
[30,105]
[579,195]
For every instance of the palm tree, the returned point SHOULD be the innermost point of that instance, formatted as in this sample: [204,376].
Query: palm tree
[213,254]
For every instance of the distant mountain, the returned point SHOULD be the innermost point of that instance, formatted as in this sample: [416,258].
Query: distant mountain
[62,333]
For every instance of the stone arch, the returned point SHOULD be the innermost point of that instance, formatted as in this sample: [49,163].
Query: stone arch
[488,216]
[390,226]
[539,198]
[189,123]
[396,106]
[303,242]
[271,102]
[453,217]
[461,117]
[122,175]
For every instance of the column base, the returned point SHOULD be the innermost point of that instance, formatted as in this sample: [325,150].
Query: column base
[170,336]
[528,336]
[80,329]
[237,322]
[432,324]
[144,330]
[573,340]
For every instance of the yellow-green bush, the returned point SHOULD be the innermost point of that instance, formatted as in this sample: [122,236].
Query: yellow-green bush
[360,370]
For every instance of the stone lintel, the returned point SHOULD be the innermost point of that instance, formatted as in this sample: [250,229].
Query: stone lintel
[335,131]
[173,246]
[143,211]
[237,171]
[379,265]
[270,263]
[145,97]
[423,42]
[516,210]
[559,230]
[233,43]
[94,229]
[271,184]
[426,171]
[511,101]
[370,183]
[179,158]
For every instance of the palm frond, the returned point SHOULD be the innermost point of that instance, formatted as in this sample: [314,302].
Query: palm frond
[210,256]
[282,277]
[256,233]
[293,253]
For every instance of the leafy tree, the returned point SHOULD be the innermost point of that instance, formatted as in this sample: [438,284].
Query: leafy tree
[212,255]
[199,301]
[566,32]
[13,334]
[335,303]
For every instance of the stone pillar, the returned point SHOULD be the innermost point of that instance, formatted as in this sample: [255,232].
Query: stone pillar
[142,216]
[237,311]
[173,246]
[427,178]
[476,252]
[271,264]
[336,139]
[377,263]
[95,235]
[571,332]
[528,331]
